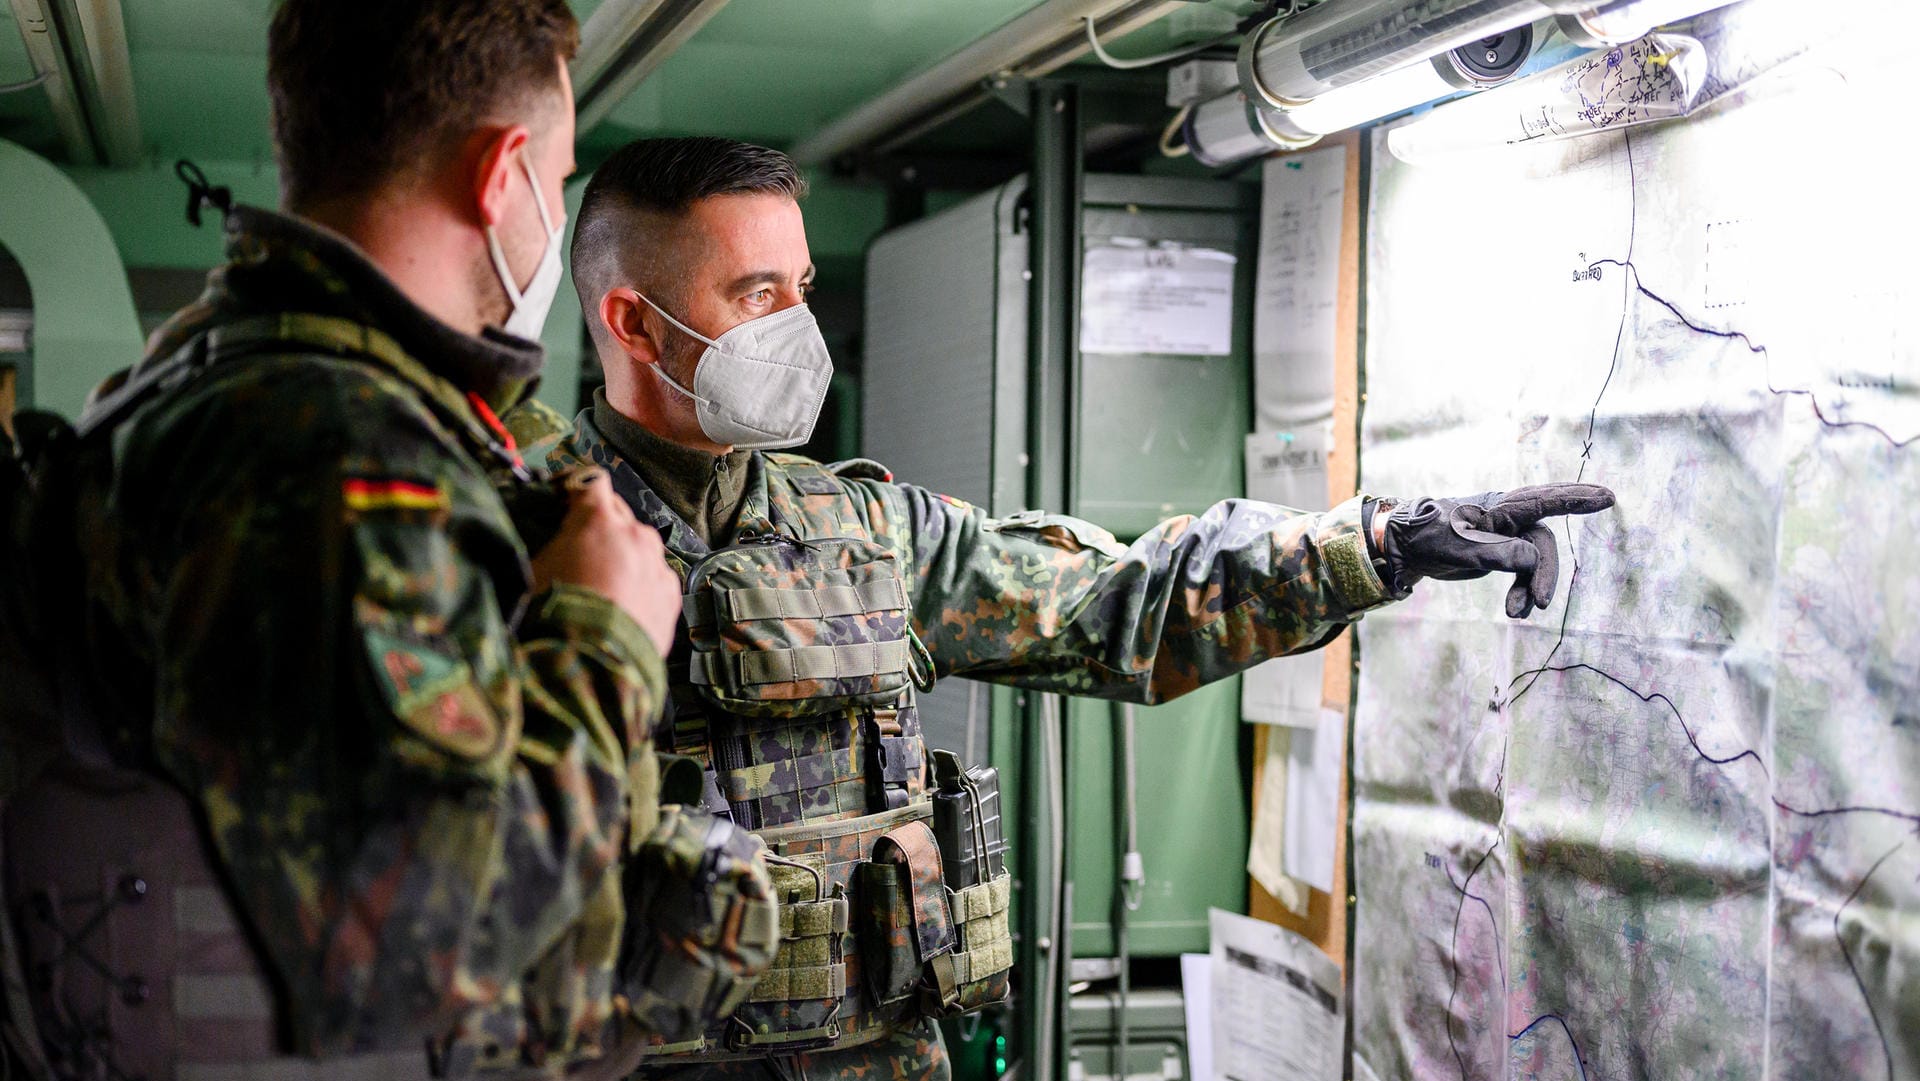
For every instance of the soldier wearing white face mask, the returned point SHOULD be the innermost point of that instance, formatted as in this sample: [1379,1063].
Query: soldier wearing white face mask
[820,598]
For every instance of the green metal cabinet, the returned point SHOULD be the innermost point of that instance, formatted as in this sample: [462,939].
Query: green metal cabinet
[945,405]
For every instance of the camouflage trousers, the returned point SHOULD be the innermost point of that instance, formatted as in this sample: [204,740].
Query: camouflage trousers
[919,1054]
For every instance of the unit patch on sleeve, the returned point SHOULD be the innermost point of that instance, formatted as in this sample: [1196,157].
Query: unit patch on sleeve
[433,694]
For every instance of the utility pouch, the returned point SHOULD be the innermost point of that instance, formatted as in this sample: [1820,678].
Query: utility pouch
[782,627]
[796,1005]
[904,901]
[700,922]
[966,821]
[952,948]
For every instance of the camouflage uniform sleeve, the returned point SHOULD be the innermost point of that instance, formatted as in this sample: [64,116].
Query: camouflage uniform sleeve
[1055,603]
[417,805]
[537,428]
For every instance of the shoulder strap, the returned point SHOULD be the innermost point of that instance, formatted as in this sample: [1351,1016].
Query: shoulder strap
[226,341]
[822,497]
[329,334]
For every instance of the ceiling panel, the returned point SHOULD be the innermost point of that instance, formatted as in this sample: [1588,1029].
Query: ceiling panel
[772,70]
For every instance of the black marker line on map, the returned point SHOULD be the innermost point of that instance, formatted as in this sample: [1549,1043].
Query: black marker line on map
[1885,1048]
[1661,698]
[1453,952]
[1566,614]
[1586,447]
[1499,959]
[1824,812]
[1759,350]
[1531,1025]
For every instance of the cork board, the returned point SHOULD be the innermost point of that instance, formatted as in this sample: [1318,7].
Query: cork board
[1325,923]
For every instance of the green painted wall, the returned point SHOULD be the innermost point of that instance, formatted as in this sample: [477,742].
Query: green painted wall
[563,334]
[84,324]
[146,208]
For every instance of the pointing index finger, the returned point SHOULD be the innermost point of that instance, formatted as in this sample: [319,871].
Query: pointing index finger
[1523,508]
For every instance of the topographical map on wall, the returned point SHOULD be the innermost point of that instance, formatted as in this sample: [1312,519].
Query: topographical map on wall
[1669,828]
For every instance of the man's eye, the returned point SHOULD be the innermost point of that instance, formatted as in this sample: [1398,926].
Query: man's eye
[760,296]
[806,289]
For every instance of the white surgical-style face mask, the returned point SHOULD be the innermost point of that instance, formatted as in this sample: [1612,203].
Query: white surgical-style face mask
[760,385]
[530,305]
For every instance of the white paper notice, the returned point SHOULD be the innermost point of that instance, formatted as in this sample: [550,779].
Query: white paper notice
[1313,800]
[1196,996]
[1297,287]
[1276,1004]
[1288,468]
[1138,297]
[1269,828]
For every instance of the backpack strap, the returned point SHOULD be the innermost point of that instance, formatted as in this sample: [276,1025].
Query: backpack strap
[328,334]
[19,1034]
[226,341]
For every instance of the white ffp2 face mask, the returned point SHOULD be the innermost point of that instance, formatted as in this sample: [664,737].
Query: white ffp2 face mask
[760,385]
[530,305]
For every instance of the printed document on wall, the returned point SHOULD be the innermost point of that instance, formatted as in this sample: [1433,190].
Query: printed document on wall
[1276,1003]
[1288,468]
[1158,298]
[1297,287]
[1266,855]
[1314,764]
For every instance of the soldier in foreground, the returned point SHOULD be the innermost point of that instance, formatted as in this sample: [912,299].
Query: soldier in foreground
[819,597]
[366,776]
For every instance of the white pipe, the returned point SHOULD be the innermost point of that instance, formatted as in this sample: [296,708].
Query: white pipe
[1033,43]
[116,121]
[624,42]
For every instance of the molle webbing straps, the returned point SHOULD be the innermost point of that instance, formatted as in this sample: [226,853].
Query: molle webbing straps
[797,1003]
[735,605]
[987,941]
[763,667]
[809,964]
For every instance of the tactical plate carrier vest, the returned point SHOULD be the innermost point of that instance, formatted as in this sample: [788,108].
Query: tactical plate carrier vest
[793,686]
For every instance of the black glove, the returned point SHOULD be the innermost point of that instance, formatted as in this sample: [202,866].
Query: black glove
[1458,539]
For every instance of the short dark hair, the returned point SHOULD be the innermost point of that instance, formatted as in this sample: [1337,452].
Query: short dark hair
[665,177]
[364,89]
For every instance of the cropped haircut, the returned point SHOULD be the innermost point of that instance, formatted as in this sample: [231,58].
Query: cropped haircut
[363,90]
[662,178]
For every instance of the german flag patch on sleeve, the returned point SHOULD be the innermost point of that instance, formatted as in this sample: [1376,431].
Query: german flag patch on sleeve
[365,495]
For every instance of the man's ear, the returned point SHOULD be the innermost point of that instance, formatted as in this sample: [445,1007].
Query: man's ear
[493,172]
[623,313]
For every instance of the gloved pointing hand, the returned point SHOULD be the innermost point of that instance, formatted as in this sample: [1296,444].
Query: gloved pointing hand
[1457,539]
